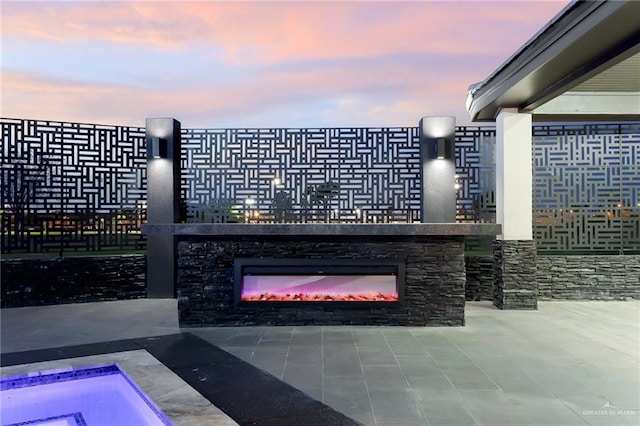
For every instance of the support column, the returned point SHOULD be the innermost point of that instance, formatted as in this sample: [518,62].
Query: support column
[438,168]
[514,252]
[163,203]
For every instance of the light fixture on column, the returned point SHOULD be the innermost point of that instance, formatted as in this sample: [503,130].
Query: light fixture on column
[437,158]
[443,148]
[158,147]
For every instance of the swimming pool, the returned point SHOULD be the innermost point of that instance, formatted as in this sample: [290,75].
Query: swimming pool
[102,395]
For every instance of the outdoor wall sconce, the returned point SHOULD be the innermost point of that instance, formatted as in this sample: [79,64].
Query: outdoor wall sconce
[443,148]
[158,147]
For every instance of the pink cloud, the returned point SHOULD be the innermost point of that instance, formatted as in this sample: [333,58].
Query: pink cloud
[390,90]
[268,32]
[351,51]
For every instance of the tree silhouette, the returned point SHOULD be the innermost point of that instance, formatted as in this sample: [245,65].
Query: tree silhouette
[23,180]
[282,206]
[321,194]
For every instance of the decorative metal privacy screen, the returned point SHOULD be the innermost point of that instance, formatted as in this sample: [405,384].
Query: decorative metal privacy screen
[313,174]
[70,186]
[587,187]
[342,174]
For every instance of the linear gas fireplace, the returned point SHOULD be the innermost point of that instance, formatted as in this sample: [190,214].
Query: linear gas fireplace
[347,282]
[232,274]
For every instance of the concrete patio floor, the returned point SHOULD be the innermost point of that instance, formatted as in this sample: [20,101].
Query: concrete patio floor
[568,363]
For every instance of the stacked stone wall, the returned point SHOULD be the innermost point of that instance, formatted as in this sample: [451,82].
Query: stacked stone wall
[514,274]
[566,277]
[588,277]
[37,282]
[479,278]
[434,281]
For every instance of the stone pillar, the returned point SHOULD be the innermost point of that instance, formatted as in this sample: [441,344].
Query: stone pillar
[163,203]
[515,281]
[515,284]
[438,169]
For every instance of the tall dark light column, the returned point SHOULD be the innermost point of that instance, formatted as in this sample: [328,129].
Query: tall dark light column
[163,202]
[438,167]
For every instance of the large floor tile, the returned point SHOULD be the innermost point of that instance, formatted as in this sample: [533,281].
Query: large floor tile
[395,407]
[376,355]
[444,408]
[304,355]
[342,365]
[560,365]
[384,377]
[418,366]
[406,346]
[421,384]
[303,376]
[349,395]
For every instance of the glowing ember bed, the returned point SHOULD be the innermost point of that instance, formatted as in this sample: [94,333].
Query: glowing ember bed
[271,281]
[91,396]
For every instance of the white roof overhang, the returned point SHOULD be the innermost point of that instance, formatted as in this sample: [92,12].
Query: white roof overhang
[583,65]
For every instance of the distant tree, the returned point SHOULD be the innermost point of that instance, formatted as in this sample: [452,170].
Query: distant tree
[24,179]
[282,206]
[218,210]
[321,195]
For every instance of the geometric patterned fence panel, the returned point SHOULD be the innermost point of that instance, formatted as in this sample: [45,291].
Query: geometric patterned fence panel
[367,174]
[587,188]
[476,174]
[71,187]
[75,187]
[341,174]
[476,181]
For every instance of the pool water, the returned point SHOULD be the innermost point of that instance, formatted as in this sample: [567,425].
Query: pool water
[92,396]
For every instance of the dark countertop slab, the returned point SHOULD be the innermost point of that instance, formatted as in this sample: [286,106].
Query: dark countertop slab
[322,229]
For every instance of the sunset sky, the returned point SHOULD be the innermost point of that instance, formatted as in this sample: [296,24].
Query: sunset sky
[255,64]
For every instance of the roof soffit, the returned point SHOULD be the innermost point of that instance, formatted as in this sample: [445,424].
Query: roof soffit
[588,39]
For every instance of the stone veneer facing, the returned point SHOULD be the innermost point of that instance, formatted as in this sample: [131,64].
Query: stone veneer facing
[514,273]
[479,270]
[589,277]
[434,288]
[38,282]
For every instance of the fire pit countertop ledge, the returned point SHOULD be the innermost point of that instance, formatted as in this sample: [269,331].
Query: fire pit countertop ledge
[322,228]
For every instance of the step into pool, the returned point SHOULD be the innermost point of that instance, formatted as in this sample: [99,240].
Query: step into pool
[102,395]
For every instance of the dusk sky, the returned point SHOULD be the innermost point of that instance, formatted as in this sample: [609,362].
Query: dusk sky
[217,64]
